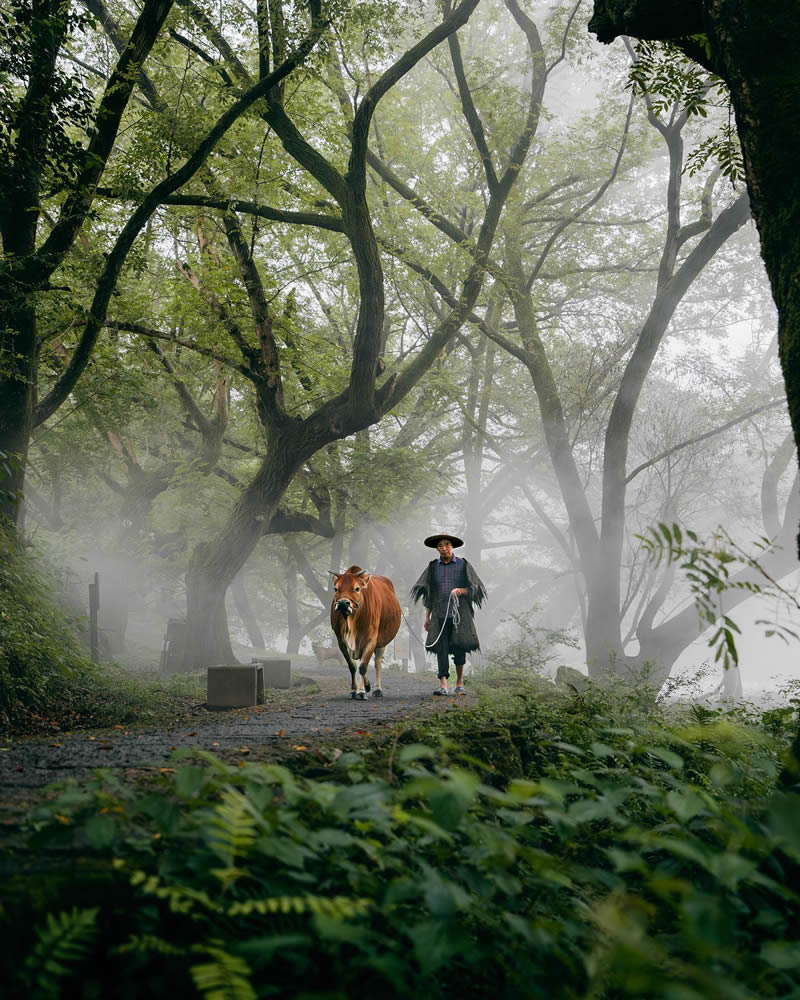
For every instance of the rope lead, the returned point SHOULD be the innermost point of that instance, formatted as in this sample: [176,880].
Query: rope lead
[452,605]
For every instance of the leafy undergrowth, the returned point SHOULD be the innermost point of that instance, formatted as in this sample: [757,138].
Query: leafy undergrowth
[47,682]
[538,844]
[97,697]
[39,648]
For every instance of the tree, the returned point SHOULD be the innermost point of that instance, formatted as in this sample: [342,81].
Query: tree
[754,46]
[37,157]
[43,104]
[539,239]
[291,440]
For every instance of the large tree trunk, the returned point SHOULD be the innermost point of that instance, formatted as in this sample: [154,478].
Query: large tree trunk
[245,611]
[20,185]
[214,564]
[292,615]
[602,632]
[757,45]
[20,357]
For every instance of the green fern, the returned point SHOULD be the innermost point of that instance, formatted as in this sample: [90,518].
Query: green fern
[63,943]
[337,907]
[143,944]
[226,977]
[232,827]
[181,899]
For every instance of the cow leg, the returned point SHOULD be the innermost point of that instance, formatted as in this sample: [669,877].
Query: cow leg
[362,682]
[363,666]
[353,685]
[351,667]
[378,664]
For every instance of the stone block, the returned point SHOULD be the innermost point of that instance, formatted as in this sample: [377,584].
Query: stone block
[236,686]
[277,672]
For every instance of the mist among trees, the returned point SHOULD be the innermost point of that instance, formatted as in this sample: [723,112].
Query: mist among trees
[288,287]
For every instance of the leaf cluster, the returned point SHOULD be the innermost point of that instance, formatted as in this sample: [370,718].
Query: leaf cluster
[708,567]
[631,856]
[668,77]
[23,28]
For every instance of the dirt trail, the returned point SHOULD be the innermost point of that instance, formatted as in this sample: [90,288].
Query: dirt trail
[293,721]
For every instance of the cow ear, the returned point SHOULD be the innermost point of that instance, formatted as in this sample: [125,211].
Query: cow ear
[365,577]
[336,576]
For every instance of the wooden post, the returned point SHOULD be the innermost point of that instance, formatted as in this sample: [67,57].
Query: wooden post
[94,607]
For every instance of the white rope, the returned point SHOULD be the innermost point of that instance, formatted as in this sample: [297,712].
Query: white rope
[452,604]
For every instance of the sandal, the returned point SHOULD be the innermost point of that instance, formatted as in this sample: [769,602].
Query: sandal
[441,691]
[460,689]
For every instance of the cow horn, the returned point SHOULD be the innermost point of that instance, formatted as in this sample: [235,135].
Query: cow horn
[334,573]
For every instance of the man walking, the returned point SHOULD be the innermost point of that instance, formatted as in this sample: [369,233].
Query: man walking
[449,587]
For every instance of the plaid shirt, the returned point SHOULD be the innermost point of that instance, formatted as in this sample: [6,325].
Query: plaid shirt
[446,576]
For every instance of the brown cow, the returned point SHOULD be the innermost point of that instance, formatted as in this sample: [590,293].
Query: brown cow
[365,616]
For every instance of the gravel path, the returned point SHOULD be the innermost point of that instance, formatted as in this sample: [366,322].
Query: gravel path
[300,719]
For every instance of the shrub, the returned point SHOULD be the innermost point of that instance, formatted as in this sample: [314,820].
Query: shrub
[638,856]
[38,641]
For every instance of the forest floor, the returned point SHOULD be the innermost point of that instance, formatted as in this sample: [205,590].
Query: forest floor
[316,716]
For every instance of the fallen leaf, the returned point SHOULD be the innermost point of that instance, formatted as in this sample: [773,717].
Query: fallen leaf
[301,747]
[156,836]
[280,732]
[215,744]
[61,819]
[119,727]
[166,770]
[56,744]
[91,737]
[190,734]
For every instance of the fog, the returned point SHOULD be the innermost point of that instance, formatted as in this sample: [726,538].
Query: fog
[582,402]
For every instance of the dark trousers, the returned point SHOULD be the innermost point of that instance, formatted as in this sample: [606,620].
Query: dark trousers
[444,650]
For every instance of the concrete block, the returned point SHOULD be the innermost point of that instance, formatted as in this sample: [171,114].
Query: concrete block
[235,686]
[277,673]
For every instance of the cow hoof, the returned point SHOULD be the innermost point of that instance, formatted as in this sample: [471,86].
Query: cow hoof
[377,693]
[361,695]
[353,694]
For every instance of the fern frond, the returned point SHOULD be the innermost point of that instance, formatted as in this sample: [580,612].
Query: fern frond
[336,907]
[232,827]
[226,977]
[148,943]
[63,943]
[181,899]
